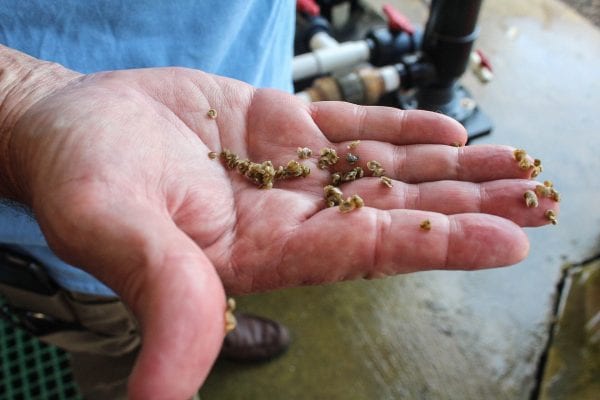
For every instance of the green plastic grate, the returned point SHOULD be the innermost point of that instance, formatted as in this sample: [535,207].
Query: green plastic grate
[32,370]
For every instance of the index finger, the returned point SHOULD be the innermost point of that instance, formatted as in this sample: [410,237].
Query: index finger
[341,121]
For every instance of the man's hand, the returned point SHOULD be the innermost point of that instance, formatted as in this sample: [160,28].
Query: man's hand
[115,167]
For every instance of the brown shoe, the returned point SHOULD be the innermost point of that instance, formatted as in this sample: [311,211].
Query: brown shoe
[255,339]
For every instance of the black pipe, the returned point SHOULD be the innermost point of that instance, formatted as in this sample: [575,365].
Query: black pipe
[448,41]
[449,36]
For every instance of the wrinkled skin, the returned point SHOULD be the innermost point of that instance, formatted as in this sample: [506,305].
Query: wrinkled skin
[116,168]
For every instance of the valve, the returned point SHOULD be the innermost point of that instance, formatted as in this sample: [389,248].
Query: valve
[397,22]
[481,66]
[390,44]
[309,7]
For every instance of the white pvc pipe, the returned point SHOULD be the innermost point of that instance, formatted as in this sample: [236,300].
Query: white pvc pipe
[391,78]
[329,59]
[322,40]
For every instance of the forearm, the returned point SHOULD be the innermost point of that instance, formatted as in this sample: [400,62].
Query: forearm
[24,80]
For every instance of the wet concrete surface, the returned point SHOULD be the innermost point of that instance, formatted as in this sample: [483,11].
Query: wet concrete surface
[459,335]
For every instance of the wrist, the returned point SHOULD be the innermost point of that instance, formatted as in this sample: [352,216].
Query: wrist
[24,81]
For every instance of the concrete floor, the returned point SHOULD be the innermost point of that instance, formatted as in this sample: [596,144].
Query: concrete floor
[459,335]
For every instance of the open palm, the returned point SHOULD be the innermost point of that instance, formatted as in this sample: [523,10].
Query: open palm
[119,177]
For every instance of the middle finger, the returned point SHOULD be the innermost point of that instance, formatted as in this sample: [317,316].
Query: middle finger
[430,162]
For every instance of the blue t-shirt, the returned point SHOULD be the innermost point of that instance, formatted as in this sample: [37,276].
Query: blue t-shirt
[249,40]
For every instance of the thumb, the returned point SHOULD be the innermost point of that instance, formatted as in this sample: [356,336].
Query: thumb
[167,281]
[180,307]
